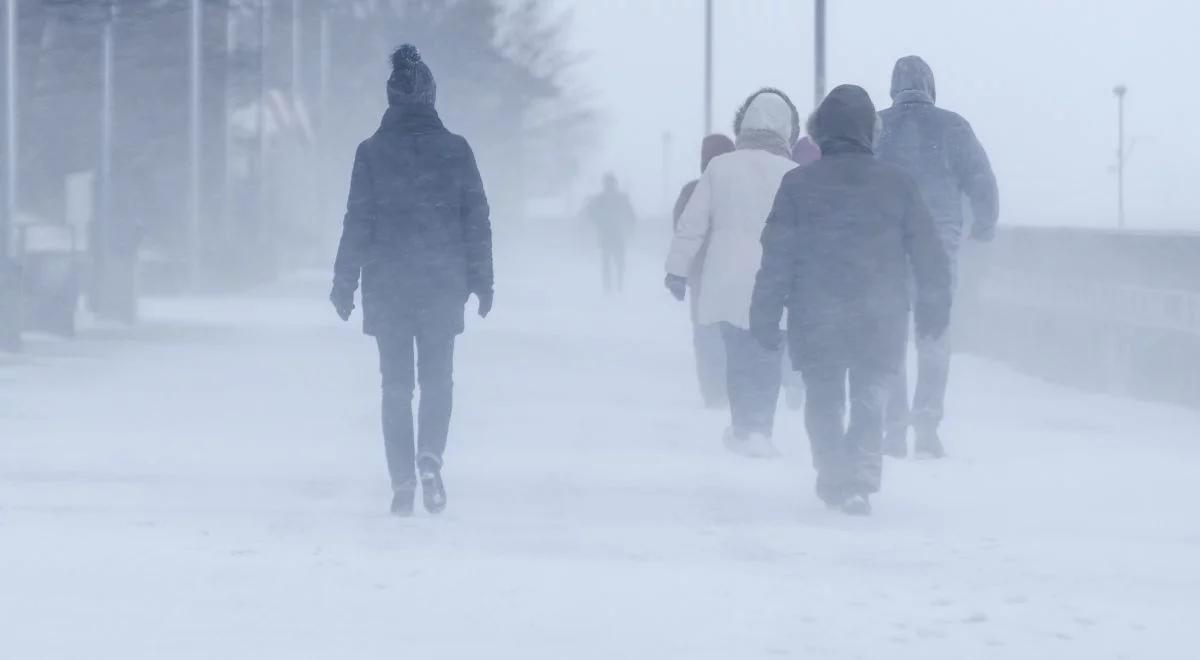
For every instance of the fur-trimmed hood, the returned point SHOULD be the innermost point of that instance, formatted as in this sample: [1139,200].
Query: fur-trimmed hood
[769,109]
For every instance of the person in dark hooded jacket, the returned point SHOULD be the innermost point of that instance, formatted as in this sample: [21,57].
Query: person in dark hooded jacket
[938,149]
[836,253]
[706,338]
[417,231]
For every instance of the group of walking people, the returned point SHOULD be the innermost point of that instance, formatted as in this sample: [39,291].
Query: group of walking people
[850,231]
[853,231]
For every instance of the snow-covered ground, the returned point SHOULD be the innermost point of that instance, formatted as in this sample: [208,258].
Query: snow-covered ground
[211,485]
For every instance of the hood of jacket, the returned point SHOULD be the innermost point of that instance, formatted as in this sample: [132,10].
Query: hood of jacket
[713,146]
[845,122]
[912,81]
[771,110]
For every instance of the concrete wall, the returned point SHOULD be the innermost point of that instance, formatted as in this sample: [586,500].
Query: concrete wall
[1108,311]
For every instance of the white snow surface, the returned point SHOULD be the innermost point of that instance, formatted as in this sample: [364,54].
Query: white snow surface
[211,484]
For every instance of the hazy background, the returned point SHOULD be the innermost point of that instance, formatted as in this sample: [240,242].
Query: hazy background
[1034,77]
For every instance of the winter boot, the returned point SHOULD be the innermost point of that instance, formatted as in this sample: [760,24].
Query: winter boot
[433,491]
[759,445]
[753,445]
[402,501]
[895,443]
[928,445]
[856,505]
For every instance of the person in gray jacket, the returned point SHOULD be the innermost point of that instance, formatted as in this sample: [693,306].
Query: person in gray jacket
[939,150]
[836,252]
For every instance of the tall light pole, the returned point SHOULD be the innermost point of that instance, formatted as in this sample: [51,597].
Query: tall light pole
[297,43]
[819,55]
[10,281]
[708,67]
[1119,91]
[11,145]
[195,155]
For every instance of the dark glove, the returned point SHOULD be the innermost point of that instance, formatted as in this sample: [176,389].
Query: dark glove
[677,286]
[486,298]
[932,322]
[769,337]
[342,298]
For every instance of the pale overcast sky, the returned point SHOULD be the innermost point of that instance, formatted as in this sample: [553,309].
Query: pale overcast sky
[1034,77]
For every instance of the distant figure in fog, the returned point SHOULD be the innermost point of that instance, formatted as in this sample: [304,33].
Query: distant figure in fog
[706,338]
[835,254]
[417,229]
[938,149]
[611,213]
[722,223]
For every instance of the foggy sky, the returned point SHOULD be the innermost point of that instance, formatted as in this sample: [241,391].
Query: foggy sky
[1034,77]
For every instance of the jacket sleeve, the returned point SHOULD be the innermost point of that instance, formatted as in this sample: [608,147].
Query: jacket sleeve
[685,194]
[357,225]
[977,180]
[773,286]
[692,230]
[477,226]
[929,259]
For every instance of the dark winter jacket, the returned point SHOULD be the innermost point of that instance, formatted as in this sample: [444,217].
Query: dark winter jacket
[417,225]
[938,149]
[838,242]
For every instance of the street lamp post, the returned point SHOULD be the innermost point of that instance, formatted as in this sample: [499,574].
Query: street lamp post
[10,281]
[11,145]
[194,142]
[708,66]
[819,55]
[1119,91]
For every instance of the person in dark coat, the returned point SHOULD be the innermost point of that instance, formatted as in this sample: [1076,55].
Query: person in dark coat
[836,252]
[707,342]
[938,149]
[417,230]
[612,216]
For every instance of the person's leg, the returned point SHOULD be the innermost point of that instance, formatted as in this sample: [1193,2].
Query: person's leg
[793,383]
[896,415]
[737,376]
[606,267]
[619,264]
[764,385]
[435,373]
[710,364]
[824,419]
[396,367]
[869,385]
[933,375]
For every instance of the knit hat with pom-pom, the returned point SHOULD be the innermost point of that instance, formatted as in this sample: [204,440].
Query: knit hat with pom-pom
[411,81]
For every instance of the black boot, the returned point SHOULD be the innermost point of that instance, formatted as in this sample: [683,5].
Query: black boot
[432,488]
[928,445]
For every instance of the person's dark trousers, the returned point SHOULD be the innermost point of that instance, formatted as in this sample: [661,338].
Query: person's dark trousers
[929,396]
[434,371]
[612,256]
[846,456]
[754,376]
[710,364]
